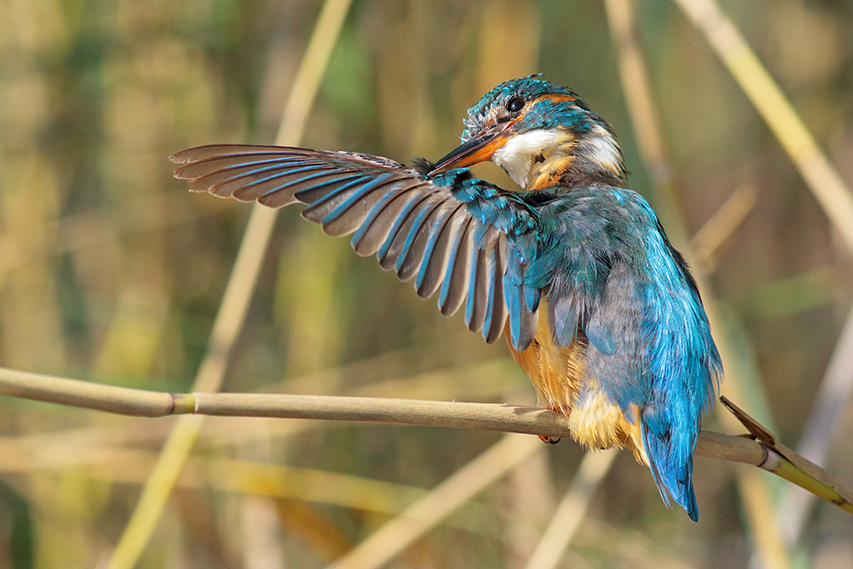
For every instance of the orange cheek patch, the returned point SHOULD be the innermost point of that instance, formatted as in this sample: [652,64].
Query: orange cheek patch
[543,180]
[558,98]
[549,175]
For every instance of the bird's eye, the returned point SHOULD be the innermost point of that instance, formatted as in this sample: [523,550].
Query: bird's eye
[515,104]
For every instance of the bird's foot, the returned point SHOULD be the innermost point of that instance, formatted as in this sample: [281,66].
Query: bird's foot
[564,411]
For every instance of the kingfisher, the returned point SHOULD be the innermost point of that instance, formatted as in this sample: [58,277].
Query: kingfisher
[576,271]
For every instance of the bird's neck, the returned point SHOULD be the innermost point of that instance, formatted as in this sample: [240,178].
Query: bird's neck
[542,158]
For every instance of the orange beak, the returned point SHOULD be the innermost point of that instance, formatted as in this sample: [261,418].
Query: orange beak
[477,149]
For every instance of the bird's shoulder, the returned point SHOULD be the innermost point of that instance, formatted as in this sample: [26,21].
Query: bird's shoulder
[603,226]
[598,217]
[595,200]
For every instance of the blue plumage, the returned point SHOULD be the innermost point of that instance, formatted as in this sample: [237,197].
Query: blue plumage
[616,279]
[598,308]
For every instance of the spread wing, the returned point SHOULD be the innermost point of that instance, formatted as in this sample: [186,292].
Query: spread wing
[448,233]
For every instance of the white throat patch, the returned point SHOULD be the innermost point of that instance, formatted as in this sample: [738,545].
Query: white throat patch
[517,155]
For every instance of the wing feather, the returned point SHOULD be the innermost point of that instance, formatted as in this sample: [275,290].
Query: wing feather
[432,230]
[414,249]
[456,282]
[496,313]
[373,233]
[475,306]
[437,249]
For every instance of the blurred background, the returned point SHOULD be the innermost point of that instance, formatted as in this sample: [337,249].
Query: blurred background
[110,271]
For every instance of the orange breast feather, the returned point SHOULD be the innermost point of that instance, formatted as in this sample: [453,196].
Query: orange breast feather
[564,384]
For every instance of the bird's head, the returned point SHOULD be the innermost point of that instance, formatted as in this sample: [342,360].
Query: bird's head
[541,134]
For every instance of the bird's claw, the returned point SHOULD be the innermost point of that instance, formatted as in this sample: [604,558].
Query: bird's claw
[549,439]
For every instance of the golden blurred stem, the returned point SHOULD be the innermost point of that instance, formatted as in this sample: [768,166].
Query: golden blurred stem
[821,177]
[755,498]
[235,302]
[571,510]
[711,237]
[413,522]
[640,103]
[644,116]
[311,70]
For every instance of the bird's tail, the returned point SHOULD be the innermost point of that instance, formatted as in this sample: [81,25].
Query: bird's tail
[670,455]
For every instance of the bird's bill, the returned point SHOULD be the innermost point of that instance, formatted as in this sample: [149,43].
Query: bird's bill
[477,149]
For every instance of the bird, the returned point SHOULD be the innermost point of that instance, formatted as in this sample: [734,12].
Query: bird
[575,270]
